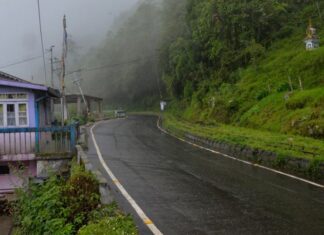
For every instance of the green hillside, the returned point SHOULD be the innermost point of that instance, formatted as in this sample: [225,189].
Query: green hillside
[270,106]
[240,63]
[257,74]
[262,97]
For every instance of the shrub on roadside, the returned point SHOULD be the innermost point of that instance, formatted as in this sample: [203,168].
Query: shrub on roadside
[62,207]
[120,225]
[109,220]
[39,210]
[80,195]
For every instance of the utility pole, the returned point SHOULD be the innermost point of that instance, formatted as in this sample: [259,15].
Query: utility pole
[42,40]
[78,83]
[52,66]
[64,55]
[52,81]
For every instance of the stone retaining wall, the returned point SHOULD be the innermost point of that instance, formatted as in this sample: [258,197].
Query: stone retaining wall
[300,167]
[105,190]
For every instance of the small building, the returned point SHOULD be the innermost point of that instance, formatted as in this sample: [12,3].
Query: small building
[26,130]
[311,40]
[85,104]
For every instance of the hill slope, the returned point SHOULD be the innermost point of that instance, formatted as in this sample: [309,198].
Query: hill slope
[229,69]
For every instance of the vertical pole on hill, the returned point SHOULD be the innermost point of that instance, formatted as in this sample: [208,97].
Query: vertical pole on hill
[52,66]
[78,83]
[64,55]
[52,81]
[290,84]
[300,83]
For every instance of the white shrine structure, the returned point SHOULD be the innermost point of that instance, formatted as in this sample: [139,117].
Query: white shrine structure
[311,40]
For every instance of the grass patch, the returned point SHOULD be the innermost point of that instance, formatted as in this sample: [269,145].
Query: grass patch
[281,144]
[302,113]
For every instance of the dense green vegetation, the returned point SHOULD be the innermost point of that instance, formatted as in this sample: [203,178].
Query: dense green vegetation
[235,62]
[281,144]
[226,63]
[110,220]
[68,207]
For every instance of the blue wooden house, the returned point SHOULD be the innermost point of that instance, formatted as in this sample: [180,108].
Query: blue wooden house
[26,129]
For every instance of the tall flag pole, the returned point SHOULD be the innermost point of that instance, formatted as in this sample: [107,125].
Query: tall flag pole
[64,56]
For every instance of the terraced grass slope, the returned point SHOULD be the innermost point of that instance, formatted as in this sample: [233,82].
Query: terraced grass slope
[281,92]
[285,91]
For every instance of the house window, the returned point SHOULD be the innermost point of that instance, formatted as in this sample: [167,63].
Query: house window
[11,115]
[22,114]
[14,96]
[4,170]
[1,115]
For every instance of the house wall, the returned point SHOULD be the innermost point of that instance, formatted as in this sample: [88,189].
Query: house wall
[45,115]
[31,102]
[18,175]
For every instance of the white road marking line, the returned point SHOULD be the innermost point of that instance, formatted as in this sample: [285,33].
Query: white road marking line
[146,220]
[239,160]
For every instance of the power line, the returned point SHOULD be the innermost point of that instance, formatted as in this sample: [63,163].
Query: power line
[109,65]
[20,62]
[42,41]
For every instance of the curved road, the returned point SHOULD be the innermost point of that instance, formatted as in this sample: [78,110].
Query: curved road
[185,190]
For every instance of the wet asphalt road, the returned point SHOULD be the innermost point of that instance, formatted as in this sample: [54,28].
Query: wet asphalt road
[186,190]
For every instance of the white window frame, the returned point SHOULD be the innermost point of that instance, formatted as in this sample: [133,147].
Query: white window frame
[6,114]
[16,105]
[17,114]
[3,118]
[14,93]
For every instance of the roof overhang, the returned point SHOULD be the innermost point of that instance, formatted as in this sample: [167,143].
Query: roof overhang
[52,92]
[23,85]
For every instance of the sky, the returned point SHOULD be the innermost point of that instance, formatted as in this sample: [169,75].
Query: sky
[88,22]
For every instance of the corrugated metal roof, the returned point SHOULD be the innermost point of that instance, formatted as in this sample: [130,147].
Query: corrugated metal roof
[8,77]
[11,80]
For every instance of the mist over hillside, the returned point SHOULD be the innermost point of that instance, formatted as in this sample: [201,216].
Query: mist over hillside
[216,61]
[123,69]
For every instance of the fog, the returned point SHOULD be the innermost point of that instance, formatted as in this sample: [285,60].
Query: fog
[88,23]
[124,68]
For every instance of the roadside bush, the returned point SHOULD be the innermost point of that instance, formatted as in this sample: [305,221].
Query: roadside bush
[119,225]
[57,207]
[62,207]
[80,195]
[39,210]
[109,220]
